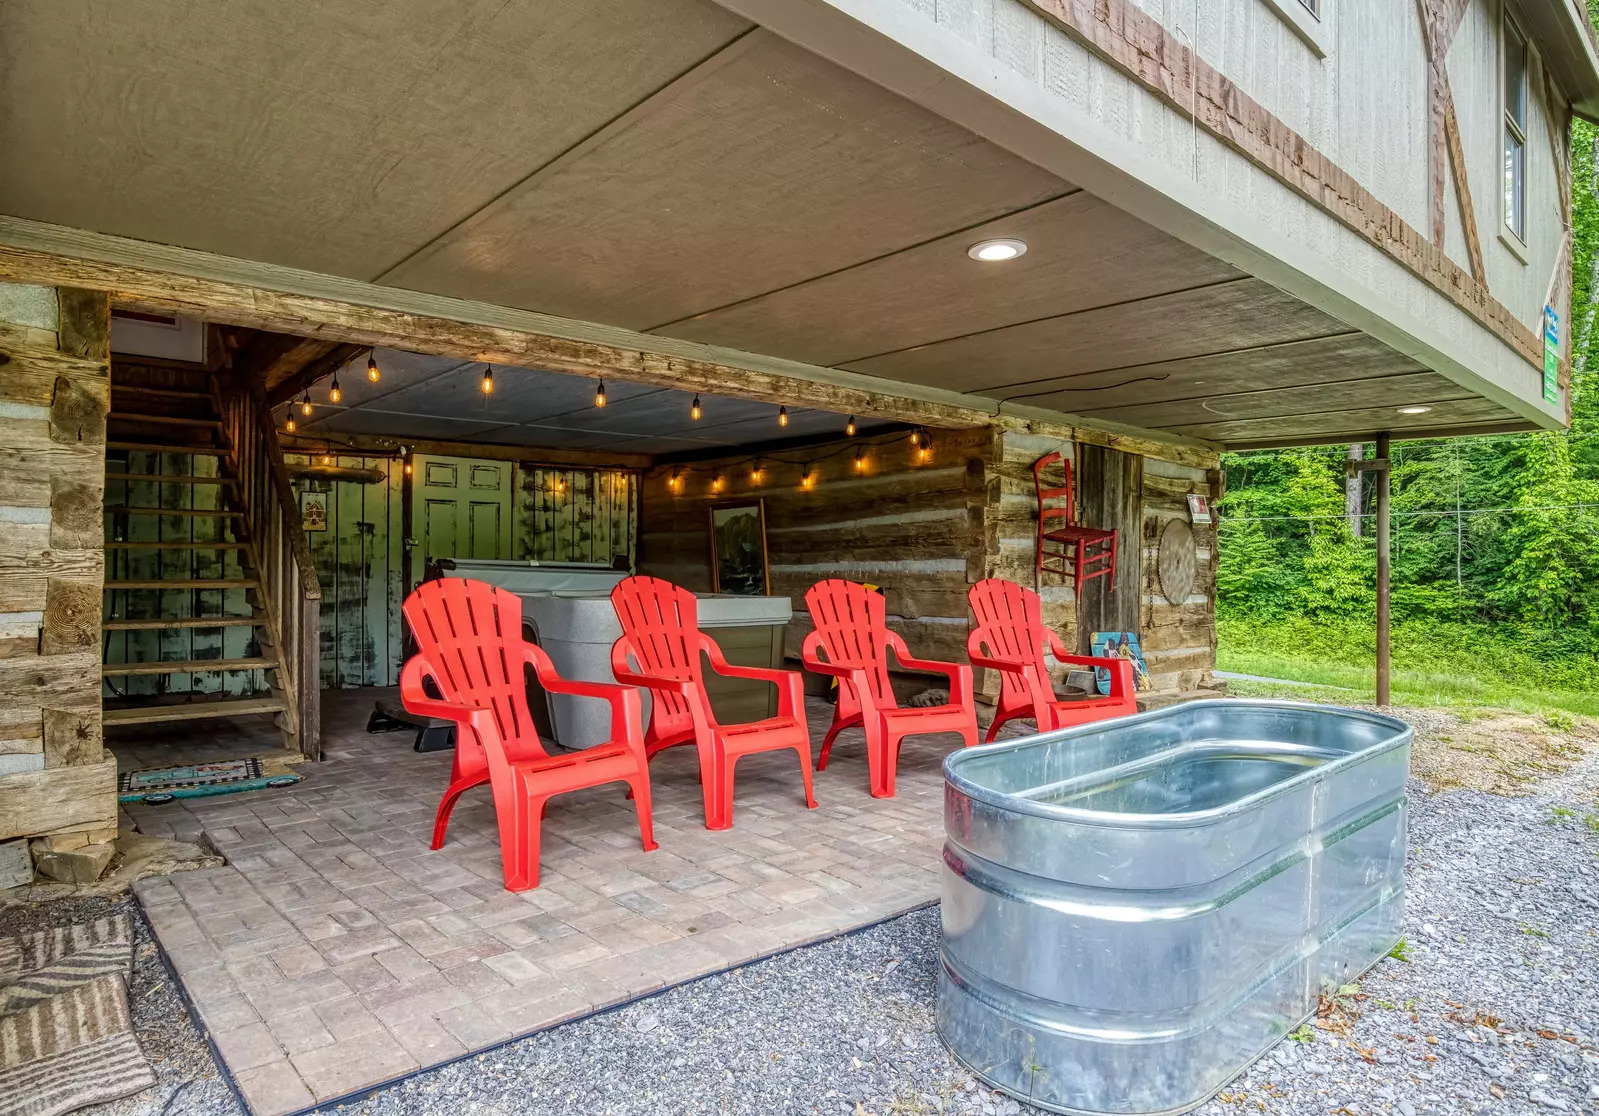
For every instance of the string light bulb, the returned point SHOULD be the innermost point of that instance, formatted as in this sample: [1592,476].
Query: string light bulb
[560,484]
[327,459]
[334,394]
[288,422]
[305,402]
[372,373]
[925,453]
[916,437]
[782,416]
[849,427]
[488,380]
[716,485]
[407,468]
[599,395]
[755,472]
[860,458]
[694,411]
[805,477]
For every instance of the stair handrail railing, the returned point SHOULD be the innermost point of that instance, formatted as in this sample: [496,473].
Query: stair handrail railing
[290,592]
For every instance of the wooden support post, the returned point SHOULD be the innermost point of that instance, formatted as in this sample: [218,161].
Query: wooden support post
[1384,483]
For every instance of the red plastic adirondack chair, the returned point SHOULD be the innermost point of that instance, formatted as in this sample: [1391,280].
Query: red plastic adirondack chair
[469,636]
[662,637]
[851,628]
[1067,548]
[1010,637]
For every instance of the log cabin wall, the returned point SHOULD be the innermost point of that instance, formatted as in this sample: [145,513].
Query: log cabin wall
[917,529]
[56,780]
[1179,637]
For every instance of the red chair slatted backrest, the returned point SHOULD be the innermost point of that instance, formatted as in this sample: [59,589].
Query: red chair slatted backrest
[852,622]
[661,624]
[1010,624]
[1055,501]
[470,635]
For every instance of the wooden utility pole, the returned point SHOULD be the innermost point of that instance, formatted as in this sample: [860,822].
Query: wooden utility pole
[1352,487]
[1383,486]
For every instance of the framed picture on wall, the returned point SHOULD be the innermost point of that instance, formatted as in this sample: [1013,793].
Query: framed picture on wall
[314,510]
[738,548]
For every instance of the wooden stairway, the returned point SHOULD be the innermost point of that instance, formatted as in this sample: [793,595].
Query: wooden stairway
[188,633]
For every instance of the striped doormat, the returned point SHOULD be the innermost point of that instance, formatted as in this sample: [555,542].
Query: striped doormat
[46,963]
[66,1036]
[71,1050]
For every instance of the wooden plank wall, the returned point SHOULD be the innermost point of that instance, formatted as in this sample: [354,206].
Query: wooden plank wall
[914,528]
[575,515]
[1110,488]
[1179,637]
[55,776]
[360,561]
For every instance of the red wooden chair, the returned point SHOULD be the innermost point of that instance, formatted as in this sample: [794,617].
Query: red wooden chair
[662,637]
[1081,553]
[1010,637]
[469,637]
[851,628]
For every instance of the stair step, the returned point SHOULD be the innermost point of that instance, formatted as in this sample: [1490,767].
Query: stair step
[162,393]
[191,711]
[175,545]
[185,583]
[124,509]
[185,622]
[188,666]
[166,420]
[167,478]
[160,447]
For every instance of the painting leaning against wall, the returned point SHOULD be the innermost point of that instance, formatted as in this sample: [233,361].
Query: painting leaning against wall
[738,549]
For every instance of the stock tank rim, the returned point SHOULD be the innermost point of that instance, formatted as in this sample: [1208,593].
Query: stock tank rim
[1401,735]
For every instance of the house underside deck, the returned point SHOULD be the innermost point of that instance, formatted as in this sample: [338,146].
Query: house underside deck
[335,951]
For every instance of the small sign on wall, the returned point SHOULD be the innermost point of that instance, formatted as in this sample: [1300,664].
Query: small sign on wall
[314,510]
[1198,507]
[1551,355]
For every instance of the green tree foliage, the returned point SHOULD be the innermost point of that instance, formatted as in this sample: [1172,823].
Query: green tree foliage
[1521,551]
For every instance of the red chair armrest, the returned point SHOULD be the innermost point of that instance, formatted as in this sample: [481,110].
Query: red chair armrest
[628,676]
[416,700]
[790,684]
[808,656]
[931,666]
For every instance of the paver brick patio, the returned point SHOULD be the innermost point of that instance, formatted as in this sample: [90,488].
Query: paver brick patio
[336,951]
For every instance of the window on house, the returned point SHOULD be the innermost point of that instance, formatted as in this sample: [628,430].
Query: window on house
[1312,6]
[1515,102]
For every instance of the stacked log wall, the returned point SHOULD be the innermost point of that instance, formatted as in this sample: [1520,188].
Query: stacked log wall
[56,779]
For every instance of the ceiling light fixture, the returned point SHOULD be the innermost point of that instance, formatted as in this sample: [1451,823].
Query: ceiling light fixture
[995,251]
[599,395]
[782,416]
[334,394]
[305,403]
[694,411]
[849,427]
[488,380]
[1414,410]
[372,372]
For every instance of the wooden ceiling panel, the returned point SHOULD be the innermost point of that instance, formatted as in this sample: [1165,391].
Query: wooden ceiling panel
[1353,422]
[1111,393]
[1224,317]
[770,167]
[1081,253]
[1414,389]
[333,135]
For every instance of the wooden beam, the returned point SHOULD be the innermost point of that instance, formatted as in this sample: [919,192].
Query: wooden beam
[1137,45]
[285,300]
[378,445]
[1457,166]
[59,799]
[291,383]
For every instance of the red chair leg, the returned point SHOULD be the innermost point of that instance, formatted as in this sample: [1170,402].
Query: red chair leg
[883,771]
[519,843]
[640,794]
[441,820]
[804,751]
[716,782]
[840,723]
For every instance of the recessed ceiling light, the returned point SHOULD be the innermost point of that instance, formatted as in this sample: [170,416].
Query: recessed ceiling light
[1414,410]
[993,251]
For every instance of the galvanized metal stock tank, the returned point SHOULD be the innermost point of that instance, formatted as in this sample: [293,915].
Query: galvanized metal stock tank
[1135,910]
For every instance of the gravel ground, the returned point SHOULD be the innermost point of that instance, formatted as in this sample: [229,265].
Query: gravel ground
[187,1078]
[1495,1010]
